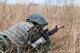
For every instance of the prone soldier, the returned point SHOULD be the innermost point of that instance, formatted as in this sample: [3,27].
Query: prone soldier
[26,35]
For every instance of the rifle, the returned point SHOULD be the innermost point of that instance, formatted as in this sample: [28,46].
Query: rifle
[45,36]
[51,32]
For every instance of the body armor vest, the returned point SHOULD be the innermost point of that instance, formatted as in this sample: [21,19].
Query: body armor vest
[17,34]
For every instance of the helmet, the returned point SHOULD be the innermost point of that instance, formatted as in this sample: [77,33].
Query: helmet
[37,18]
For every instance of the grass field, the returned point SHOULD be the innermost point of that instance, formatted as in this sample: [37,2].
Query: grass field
[67,40]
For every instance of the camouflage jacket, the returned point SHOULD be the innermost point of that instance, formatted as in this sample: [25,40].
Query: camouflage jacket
[16,35]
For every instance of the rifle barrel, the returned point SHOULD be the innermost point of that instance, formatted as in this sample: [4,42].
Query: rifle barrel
[51,32]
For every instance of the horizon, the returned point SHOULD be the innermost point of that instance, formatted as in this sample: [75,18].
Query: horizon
[42,2]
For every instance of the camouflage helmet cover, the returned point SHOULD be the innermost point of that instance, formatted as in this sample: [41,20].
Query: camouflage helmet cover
[38,18]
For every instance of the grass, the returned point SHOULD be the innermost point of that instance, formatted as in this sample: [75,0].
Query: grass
[66,40]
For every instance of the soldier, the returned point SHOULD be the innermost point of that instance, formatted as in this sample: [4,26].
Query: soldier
[19,33]
[23,34]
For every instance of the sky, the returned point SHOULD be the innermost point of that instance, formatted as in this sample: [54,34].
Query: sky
[25,1]
[58,2]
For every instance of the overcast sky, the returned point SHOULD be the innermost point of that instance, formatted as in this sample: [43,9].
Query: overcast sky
[25,1]
[59,2]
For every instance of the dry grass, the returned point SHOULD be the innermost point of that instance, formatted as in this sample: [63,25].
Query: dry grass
[66,40]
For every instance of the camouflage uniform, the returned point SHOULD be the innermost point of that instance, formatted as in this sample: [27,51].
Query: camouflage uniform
[17,35]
